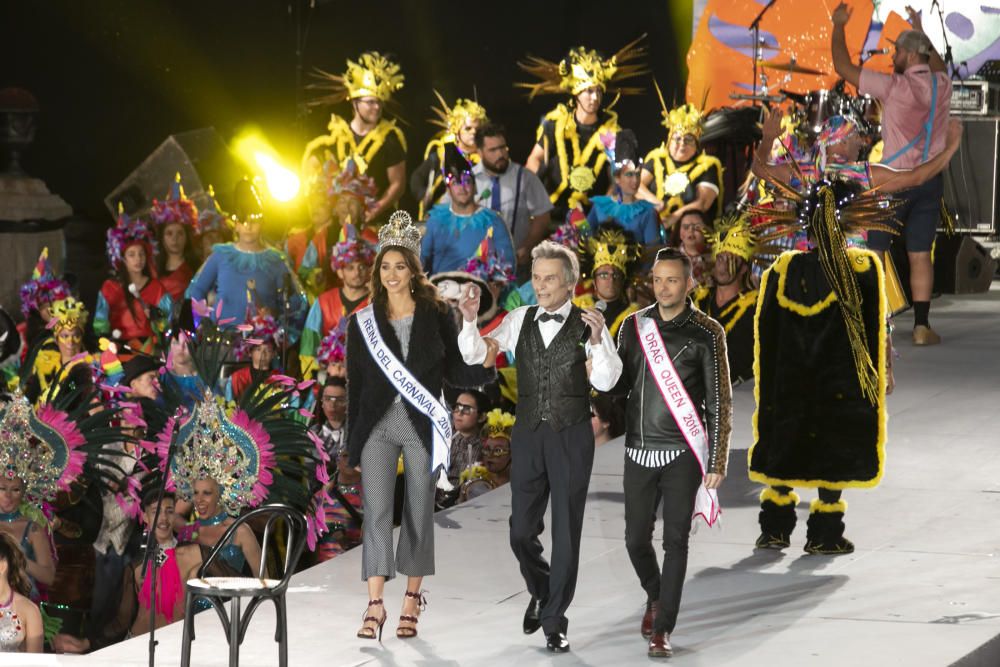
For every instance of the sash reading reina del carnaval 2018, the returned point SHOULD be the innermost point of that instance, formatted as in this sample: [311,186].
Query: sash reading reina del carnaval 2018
[409,388]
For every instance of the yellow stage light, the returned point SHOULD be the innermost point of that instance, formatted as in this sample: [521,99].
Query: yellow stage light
[251,146]
[282,183]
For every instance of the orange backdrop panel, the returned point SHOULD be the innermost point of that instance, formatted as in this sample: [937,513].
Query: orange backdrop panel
[800,29]
[894,24]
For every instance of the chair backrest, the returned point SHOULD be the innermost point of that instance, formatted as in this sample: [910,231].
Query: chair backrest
[295,541]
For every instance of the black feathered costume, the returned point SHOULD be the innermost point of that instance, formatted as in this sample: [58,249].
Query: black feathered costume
[820,366]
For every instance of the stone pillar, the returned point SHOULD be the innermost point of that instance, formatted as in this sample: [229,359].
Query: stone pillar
[31,217]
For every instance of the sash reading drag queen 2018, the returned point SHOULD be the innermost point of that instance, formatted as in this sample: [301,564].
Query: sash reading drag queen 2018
[400,350]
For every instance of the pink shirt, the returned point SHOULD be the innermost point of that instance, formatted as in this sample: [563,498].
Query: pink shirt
[906,100]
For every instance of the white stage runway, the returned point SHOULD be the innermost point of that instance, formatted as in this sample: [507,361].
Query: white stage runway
[921,589]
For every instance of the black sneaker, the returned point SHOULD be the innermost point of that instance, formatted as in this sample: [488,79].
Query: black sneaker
[840,547]
[768,541]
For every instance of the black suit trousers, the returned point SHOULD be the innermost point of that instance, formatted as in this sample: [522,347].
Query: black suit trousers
[546,463]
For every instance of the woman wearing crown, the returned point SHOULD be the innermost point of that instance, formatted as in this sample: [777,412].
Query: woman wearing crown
[400,350]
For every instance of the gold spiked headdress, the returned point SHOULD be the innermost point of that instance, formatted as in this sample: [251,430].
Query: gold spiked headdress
[610,246]
[68,314]
[685,119]
[584,68]
[373,75]
[453,118]
[733,234]
[499,424]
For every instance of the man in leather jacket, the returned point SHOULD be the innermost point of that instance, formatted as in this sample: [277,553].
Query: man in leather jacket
[659,462]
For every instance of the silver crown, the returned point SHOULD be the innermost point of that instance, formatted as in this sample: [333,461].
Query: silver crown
[400,231]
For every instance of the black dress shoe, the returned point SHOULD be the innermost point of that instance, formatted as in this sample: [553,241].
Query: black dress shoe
[533,616]
[557,642]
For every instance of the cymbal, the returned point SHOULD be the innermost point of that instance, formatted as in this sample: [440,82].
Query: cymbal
[762,47]
[791,66]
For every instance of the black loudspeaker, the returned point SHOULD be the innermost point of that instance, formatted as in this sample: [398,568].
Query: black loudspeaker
[199,156]
[962,266]
[972,179]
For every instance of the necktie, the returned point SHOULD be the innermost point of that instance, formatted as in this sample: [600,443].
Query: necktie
[545,317]
[495,193]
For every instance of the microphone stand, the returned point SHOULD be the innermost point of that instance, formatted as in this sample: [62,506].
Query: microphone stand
[755,31]
[152,557]
[949,59]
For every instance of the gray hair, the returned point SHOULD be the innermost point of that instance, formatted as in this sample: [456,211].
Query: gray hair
[550,250]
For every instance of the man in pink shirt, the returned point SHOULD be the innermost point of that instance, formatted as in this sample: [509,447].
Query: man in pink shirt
[915,102]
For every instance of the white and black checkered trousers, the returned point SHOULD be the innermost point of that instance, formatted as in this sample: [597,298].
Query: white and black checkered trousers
[415,551]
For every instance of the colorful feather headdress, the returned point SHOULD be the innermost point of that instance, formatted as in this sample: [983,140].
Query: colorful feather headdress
[127,232]
[65,438]
[351,247]
[610,245]
[256,450]
[499,424]
[487,264]
[43,288]
[176,208]
[828,210]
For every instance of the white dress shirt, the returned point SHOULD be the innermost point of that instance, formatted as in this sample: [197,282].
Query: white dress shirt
[606,365]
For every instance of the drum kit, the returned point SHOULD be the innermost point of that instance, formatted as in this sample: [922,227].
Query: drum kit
[813,107]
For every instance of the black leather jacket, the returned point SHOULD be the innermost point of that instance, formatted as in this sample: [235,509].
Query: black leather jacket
[697,347]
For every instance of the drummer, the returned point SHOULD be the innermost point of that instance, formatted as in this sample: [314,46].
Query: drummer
[916,98]
[678,176]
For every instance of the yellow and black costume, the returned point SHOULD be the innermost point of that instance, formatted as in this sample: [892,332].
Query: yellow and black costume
[820,366]
[610,246]
[426,182]
[675,183]
[373,75]
[732,240]
[573,166]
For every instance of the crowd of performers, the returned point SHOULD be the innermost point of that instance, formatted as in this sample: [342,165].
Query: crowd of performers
[307,370]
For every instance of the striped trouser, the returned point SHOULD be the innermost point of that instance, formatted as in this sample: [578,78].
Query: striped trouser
[379,458]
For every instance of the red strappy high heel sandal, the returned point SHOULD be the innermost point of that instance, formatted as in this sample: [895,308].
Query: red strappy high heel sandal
[368,632]
[410,631]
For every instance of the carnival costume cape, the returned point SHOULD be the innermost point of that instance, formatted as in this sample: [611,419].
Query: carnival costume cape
[820,347]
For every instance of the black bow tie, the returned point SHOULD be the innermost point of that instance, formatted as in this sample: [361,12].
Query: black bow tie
[545,317]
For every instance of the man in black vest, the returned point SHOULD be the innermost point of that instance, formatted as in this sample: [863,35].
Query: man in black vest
[560,352]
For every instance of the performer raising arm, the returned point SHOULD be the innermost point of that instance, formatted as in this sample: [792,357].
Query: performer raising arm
[400,349]
[552,444]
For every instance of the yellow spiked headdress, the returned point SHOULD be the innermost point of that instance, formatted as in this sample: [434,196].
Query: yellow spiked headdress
[685,119]
[584,68]
[68,314]
[610,246]
[499,424]
[733,234]
[453,118]
[373,75]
